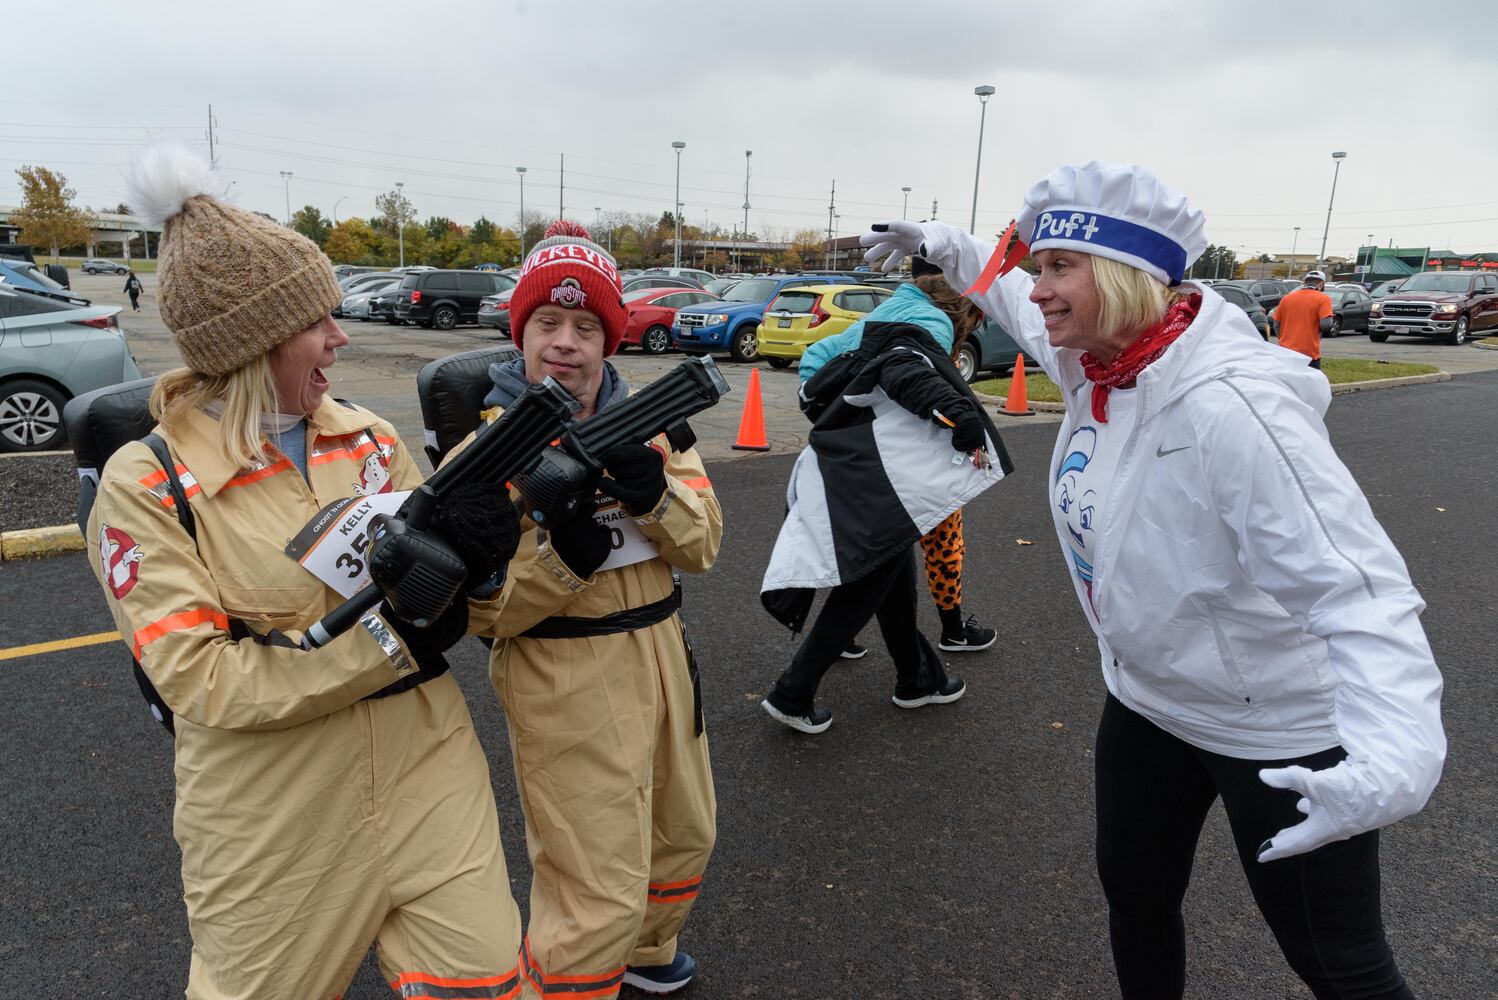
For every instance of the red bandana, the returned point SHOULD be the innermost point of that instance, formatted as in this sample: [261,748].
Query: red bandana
[1139,355]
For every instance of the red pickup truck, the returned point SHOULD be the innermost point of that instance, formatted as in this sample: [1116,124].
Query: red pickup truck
[1449,304]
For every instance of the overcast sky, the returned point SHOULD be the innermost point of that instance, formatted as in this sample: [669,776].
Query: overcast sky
[1238,105]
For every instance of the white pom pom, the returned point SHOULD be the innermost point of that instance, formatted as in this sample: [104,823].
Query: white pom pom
[162,177]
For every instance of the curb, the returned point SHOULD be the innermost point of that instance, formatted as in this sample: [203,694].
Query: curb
[1485,346]
[1036,405]
[36,543]
[1390,383]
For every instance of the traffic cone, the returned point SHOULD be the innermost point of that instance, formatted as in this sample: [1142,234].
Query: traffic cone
[752,423]
[1017,403]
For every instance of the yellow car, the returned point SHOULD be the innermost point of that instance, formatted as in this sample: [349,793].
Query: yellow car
[799,317]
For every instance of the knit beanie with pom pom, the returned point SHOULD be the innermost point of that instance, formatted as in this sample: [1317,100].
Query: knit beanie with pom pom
[233,284]
[568,269]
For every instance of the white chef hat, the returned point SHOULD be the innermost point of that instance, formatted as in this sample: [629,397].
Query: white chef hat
[1114,210]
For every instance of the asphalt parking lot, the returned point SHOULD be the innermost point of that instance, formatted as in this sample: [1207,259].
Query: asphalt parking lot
[943,852]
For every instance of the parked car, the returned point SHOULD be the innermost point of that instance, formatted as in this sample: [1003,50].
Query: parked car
[494,311]
[657,281]
[1236,294]
[801,316]
[24,274]
[1351,308]
[1268,291]
[381,306]
[651,313]
[98,265]
[1447,304]
[50,351]
[487,267]
[341,271]
[989,348]
[355,304]
[720,285]
[731,324]
[695,275]
[444,298]
[356,283]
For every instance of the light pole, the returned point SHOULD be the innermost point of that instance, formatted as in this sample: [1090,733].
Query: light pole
[400,221]
[1293,244]
[1337,158]
[984,93]
[335,209]
[676,244]
[286,179]
[837,225]
[738,263]
[905,209]
[521,172]
[1372,253]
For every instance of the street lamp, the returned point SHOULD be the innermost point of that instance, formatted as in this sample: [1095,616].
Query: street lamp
[335,209]
[1293,244]
[286,179]
[984,93]
[1337,158]
[676,248]
[1372,253]
[905,209]
[521,172]
[400,221]
[738,257]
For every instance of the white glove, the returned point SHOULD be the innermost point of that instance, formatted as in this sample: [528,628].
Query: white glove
[1321,803]
[897,239]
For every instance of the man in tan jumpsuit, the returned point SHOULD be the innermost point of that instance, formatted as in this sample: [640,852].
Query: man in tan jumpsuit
[327,798]
[593,669]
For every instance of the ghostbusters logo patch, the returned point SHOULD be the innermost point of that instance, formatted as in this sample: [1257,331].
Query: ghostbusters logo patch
[374,477]
[569,294]
[119,558]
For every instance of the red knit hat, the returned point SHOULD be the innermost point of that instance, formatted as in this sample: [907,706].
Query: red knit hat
[568,269]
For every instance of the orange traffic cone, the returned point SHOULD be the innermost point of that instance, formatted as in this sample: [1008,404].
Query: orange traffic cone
[752,423]
[1017,403]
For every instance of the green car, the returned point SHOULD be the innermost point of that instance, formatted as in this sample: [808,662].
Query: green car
[50,351]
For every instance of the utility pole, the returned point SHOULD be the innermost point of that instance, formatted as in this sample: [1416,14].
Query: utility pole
[521,172]
[1337,158]
[905,210]
[286,179]
[562,188]
[335,209]
[400,220]
[983,93]
[738,256]
[211,161]
[933,209]
[678,145]
[831,208]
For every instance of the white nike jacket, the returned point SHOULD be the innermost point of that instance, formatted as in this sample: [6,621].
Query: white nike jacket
[1249,602]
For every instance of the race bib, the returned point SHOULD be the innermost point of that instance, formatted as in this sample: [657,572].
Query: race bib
[628,544]
[332,545]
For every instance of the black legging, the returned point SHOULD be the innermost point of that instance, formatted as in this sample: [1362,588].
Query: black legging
[1153,794]
[887,593]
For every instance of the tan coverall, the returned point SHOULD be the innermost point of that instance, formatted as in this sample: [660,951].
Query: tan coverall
[614,778]
[311,821]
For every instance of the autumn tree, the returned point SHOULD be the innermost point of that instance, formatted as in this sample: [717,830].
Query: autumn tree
[481,232]
[48,217]
[353,241]
[394,212]
[809,245]
[310,223]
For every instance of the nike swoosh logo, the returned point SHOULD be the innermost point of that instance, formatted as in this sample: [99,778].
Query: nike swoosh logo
[1161,452]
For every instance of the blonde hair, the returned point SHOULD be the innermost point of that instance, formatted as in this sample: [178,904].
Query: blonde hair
[961,310]
[1129,300]
[247,394]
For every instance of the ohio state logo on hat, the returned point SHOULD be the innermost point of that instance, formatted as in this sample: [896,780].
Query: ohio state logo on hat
[119,557]
[569,294]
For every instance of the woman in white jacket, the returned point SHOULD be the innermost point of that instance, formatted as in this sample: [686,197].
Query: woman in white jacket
[1259,633]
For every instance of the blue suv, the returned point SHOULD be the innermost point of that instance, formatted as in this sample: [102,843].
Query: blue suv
[732,323]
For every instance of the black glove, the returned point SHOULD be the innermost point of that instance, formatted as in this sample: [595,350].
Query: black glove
[426,645]
[481,523]
[636,477]
[581,542]
[968,435]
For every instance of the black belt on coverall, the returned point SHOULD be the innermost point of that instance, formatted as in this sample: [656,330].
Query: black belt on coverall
[630,620]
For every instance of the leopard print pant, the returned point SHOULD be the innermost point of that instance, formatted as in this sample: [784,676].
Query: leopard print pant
[944,547]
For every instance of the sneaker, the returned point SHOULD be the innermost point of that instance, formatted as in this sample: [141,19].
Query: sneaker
[973,638]
[662,978]
[952,689]
[813,722]
[854,651]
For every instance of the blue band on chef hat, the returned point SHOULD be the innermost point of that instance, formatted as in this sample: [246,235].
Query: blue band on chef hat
[1080,229]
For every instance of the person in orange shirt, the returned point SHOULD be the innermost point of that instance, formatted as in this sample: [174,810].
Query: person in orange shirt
[1303,316]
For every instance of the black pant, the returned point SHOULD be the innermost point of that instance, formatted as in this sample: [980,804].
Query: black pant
[1316,364]
[135,301]
[887,593]
[1153,794]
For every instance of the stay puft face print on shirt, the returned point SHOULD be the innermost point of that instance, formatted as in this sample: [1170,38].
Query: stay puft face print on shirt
[374,477]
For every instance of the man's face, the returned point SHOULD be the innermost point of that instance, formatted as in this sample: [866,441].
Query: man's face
[566,344]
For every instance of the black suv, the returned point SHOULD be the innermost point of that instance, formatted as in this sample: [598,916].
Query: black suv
[444,298]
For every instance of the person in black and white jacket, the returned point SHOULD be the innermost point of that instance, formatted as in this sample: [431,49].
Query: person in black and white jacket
[1259,634]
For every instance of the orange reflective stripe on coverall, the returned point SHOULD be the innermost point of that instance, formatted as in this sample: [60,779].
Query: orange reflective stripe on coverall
[614,779]
[311,821]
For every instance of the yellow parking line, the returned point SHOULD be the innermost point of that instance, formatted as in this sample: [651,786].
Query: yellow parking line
[15,652]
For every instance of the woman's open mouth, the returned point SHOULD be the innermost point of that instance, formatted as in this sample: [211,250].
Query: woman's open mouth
[318,379]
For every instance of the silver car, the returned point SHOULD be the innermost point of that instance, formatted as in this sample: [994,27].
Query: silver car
[355,304]
[50,351]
